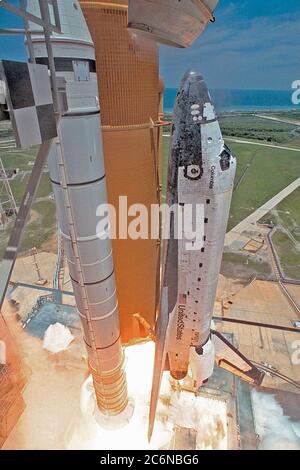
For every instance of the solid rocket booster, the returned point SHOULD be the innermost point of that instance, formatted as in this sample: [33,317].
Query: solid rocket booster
[76,167]
[201,174]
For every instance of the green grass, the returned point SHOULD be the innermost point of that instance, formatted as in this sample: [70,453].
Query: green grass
[287,115]
[295,143]
[249,126]
[13,159]
[18,186]
[39,231]
[288,254]
[285,239]
[249,264]
[6,132]
[45,187]
[271,171]
[287,213]
[253,127]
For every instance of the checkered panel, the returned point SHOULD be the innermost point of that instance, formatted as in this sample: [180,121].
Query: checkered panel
[30,102]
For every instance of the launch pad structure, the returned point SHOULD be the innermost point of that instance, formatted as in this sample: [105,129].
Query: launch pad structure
[8,206]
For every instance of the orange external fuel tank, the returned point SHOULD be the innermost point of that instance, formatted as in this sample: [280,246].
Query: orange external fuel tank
[129,88]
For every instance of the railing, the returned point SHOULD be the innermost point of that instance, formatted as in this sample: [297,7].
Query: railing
[59,270]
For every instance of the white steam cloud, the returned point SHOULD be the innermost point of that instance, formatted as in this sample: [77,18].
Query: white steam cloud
[275,430]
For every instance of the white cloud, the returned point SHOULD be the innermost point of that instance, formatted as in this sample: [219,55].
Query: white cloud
[261,52]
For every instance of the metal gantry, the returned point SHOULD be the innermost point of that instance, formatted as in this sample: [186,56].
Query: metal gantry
[8,206]
[48,28]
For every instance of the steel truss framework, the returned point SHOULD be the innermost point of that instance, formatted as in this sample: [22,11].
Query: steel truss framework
[46,8]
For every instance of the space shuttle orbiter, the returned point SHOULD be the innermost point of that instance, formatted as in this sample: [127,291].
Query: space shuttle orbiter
[201,172]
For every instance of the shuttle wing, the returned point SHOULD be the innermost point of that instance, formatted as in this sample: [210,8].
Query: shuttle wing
[168,301]
[232,360]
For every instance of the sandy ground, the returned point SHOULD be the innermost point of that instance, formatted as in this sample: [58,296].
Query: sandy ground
[51,245]
[295,291]
[24,270]
[227,288]
[26,299]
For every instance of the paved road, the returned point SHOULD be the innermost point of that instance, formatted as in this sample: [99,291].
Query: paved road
[271,118]
[247,224]
[248,142]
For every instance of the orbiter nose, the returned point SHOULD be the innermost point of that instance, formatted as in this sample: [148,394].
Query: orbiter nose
[193,90]
[194,99]
[192,76]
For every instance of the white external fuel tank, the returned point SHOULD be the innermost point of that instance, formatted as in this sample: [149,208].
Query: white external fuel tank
[77,172]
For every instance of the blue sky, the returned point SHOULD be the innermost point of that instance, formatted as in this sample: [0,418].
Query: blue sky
[254,44]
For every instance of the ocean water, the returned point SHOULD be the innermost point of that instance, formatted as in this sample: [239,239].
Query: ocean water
[242,100]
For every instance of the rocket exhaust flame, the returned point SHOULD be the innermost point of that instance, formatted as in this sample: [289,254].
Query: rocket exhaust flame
[202,417]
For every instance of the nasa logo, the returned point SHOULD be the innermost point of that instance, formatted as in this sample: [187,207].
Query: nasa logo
[212,177]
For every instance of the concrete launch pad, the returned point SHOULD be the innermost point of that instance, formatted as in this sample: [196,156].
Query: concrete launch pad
[236,395]
[53,392]
[265,303]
